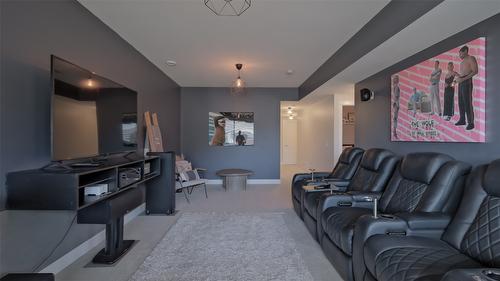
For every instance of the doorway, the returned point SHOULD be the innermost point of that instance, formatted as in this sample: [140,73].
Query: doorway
[348,122]
[289,127]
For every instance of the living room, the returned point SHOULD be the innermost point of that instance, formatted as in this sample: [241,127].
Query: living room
[257,118]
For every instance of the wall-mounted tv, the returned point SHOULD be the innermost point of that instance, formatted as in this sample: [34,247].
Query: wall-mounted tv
[91,115]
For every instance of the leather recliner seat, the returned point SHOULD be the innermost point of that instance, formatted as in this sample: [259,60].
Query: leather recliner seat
[422,183]
[375,170]
[343,171]
[470,242]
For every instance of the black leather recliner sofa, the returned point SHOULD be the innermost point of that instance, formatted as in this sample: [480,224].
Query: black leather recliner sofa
[343,171]
[374,172]
[469,245]
[422,184]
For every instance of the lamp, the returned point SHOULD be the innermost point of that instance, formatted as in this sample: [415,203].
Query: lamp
[238,84]
[228,7]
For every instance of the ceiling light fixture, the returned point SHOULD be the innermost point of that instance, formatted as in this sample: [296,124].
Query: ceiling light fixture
[228,7]
[171,63]
[238,84]
[90,82]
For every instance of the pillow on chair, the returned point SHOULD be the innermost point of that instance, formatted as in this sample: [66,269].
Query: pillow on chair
[189,175]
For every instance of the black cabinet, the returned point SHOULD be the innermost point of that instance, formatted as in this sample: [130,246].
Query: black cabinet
[65,189]
[96,194]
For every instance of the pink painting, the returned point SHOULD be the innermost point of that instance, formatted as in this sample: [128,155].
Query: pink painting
[442,99]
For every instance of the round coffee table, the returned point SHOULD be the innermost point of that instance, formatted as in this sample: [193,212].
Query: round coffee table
[234,178]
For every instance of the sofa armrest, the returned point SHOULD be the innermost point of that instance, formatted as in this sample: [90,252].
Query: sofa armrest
[307,176]
[363,196]
[472,274]
[421,220]
[300,176]
[367,226]
[408,224]
[345,199]
[337,184]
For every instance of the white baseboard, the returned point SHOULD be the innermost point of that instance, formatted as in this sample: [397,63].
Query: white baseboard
[250,181]
[73,255]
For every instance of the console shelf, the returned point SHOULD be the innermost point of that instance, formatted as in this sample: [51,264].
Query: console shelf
[64,189]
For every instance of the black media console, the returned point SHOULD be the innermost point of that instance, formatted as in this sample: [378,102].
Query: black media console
[99,195]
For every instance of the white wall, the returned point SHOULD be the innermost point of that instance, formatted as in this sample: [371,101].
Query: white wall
[320,127]
[315,133]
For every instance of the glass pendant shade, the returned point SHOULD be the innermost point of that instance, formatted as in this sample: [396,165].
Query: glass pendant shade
[228,7]
[238,86]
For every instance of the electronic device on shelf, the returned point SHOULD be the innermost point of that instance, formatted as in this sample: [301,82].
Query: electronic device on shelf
[147,168]
[94,192]
[128,176]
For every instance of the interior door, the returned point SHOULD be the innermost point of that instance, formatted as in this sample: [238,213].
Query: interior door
[289,148]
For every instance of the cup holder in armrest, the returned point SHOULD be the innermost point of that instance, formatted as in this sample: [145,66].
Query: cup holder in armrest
[493,274]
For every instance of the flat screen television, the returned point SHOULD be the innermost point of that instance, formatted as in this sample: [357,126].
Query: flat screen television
[91,115]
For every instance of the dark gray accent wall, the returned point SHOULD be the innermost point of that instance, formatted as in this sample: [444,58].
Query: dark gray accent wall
[263,158]
[30,32]
[393,18]
[373,117]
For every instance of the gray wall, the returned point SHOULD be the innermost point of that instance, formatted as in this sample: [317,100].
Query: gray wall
[30,32]
[263,158]
[373,117]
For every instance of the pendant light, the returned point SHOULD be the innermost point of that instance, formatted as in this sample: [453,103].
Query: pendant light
[238,86]
[228,7]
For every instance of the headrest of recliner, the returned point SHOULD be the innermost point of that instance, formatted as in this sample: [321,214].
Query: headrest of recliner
[348,155]
[373,158]
[491,180]
[423,166]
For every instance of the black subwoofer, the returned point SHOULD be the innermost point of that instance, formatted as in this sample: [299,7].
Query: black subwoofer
[160,191]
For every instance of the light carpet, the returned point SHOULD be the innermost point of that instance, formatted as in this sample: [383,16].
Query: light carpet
[225,246]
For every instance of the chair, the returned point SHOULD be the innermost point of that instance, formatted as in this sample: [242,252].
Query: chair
[423,183]
[374,172]
[187,177]
[344,170]
[469,248]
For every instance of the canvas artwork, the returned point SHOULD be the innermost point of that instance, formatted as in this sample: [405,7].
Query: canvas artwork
[230,128]
[442,99]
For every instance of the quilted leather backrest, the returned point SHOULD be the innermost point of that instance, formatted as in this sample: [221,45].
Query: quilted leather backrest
[421,167]
[482,240]
[475,228]
[348,163]
[375,170]
[491,181]
[437,189]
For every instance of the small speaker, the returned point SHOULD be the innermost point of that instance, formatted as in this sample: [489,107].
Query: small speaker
[366,94]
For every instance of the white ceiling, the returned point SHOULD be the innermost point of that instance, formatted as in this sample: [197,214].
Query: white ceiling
[439,23]
[269,38]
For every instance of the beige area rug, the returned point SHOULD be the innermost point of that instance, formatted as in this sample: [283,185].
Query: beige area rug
[225,246]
